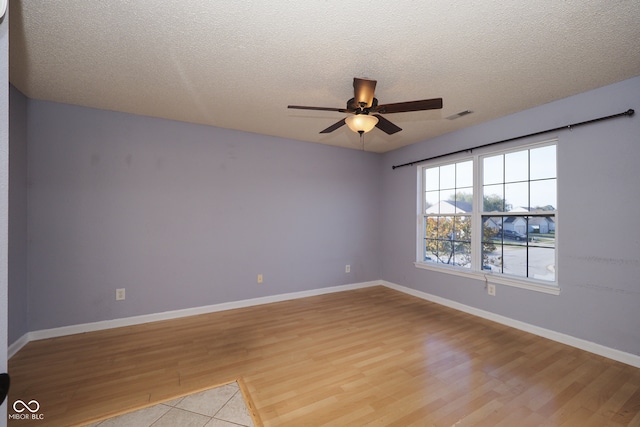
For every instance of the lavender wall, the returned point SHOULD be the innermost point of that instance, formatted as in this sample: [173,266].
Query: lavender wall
[18,322]
[599,236]
[183,215]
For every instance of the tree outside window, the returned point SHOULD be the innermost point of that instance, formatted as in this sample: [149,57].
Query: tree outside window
[517,210]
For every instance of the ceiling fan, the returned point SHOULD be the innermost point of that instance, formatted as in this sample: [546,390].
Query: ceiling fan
[366,111]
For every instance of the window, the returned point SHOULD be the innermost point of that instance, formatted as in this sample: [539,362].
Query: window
[492,215]
[448,203]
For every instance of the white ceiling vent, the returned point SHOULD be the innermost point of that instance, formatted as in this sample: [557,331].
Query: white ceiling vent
[460,114]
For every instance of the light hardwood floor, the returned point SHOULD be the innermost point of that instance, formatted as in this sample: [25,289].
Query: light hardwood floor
[372,356]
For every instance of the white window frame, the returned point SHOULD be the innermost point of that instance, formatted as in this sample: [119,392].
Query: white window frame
[476,272]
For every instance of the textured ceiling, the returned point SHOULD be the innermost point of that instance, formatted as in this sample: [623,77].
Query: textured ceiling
[238,64]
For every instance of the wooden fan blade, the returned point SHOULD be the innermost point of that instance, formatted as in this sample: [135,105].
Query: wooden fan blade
[334,126]
[363,91]
[386,126]
[302,107]
[402,107]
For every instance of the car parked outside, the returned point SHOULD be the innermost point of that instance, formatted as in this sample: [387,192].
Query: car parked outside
[512,235]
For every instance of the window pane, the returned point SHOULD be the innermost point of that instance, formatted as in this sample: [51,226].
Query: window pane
[543,162]
[493,198]
[464,174]
[431,200]
[542,232]
[429,246]
[516,196]
[492,243]
[464,200]
[444,252]
[516,166]
[447,195]
[492,257]
[491,226]
[514,229]
[447,201]
[440,243]
[542,263]
[448,176]
[492,170]
[428,256]
[431,227]
[432,179]
[463,228]
[514,260]
[462,255]
[439,227]
[543,194]
[445,228]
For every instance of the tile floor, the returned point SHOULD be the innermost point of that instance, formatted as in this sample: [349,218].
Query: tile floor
[222,406]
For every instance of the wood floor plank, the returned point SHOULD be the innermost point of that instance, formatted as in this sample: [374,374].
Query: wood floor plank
[370,356]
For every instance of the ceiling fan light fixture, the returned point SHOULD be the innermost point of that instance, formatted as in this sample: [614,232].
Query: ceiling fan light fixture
[361,123]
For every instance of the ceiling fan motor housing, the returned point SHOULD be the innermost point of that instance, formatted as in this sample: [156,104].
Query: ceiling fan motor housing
[359,108]
[363,103]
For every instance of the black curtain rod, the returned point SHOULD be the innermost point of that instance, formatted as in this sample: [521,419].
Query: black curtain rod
[629,113]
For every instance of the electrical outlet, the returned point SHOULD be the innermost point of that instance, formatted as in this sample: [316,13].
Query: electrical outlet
[347,268]
[120,294]
[491,290]
[259,278]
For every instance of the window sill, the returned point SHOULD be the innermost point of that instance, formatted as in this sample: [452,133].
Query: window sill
[492,278]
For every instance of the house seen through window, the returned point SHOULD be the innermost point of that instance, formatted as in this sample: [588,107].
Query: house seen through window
[494,213]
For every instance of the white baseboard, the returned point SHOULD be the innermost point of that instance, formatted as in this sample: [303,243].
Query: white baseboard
[174,314]
[610,353]
[15,346]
